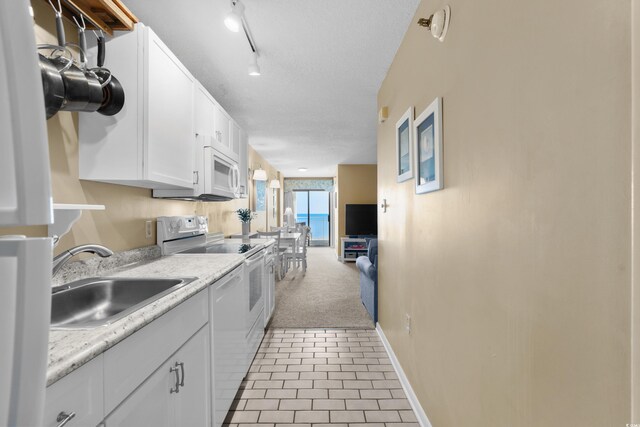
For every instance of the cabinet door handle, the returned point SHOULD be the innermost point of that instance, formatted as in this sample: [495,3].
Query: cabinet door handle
[63,418]
[182,372]
[174,369]
[196,177]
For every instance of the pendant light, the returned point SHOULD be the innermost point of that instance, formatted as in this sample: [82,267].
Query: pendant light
[260,174]
[274,183]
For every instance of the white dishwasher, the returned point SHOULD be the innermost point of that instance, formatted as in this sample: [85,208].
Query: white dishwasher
[228,340]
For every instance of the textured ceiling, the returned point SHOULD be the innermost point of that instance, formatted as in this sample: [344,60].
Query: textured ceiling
[322,64]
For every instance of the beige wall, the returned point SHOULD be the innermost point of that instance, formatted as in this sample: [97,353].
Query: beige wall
[356,184]
[122,225]
[265,219]
[517,274]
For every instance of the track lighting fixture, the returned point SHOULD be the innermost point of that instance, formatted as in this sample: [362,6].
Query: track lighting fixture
[254,68]
[233,20]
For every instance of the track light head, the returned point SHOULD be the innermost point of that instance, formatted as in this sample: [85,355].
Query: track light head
[233,20]
[254,68]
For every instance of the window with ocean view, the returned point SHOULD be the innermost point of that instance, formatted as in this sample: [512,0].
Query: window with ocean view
[312,208]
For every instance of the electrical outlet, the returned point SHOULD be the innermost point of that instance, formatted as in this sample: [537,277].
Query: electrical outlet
[407,323]
[148,229]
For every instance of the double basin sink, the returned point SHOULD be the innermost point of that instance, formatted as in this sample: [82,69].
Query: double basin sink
[94,302]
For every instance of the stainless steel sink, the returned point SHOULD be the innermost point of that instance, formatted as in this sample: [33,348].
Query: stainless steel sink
[89,303]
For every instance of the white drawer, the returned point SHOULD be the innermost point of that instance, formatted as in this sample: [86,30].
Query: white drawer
[129,363]
[80,392]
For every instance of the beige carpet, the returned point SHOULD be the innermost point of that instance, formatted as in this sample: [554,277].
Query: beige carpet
[327,296]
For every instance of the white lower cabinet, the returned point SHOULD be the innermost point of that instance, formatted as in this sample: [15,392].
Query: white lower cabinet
[129,363]
[148,405]
[193,397]
[78,397]
[176,394]
[182,369]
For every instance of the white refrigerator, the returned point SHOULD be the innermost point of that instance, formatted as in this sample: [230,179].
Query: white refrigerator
[25,199]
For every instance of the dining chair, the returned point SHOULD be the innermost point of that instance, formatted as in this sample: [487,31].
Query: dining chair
[300,256]
[300,226]
[278,252]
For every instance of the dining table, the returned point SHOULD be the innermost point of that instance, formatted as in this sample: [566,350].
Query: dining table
[291,239]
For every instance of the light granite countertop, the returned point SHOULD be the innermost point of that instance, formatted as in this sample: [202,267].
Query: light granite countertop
[70,349]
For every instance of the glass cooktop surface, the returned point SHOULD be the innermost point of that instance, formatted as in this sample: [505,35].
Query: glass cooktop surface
[221,248]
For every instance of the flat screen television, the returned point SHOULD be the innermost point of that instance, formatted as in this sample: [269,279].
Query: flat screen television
[361,220]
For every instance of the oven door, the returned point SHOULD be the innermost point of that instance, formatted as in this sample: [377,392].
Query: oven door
[221,174]
[255,273]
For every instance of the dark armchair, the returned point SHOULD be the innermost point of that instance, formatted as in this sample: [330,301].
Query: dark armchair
[368,266]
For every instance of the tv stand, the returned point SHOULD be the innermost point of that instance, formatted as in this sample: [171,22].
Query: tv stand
[352,247]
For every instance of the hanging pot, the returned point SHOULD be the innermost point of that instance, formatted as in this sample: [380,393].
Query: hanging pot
[79,93]
[112,90]
[52,86]
[94,93]
[76,87]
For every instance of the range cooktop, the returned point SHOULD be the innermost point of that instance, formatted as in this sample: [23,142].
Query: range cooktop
[222,248]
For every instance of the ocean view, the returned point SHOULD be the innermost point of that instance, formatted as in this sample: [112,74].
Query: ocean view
[319,225]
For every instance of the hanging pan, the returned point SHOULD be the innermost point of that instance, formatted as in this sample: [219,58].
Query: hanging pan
[52,86]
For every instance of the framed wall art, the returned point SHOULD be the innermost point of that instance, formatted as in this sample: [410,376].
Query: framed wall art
[261,196]
[428,148]
[404,146]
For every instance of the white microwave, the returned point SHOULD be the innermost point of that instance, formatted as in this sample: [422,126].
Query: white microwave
[221,174]
[216,177]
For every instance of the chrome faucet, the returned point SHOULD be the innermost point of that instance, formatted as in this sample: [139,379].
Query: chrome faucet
[65,256]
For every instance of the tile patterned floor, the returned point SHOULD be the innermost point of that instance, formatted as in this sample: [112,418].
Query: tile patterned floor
[321,377]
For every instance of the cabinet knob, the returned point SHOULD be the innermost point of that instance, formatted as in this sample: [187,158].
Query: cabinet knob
[63,418]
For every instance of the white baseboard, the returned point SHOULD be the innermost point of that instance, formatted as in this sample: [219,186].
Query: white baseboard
[408,390]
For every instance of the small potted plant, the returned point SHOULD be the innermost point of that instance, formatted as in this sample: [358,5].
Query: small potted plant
[245,216]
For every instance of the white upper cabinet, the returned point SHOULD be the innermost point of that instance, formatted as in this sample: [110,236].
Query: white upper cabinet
[150,143]
[205,110]
[212,120]
[221,123]
[243,164]
[234,140]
